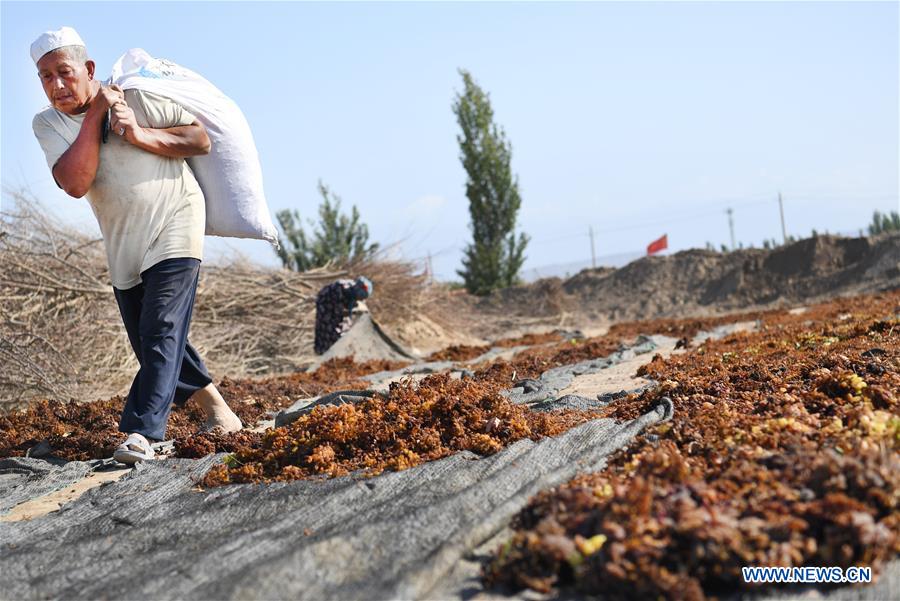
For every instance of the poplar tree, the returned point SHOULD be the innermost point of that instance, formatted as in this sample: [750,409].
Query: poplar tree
[494,257]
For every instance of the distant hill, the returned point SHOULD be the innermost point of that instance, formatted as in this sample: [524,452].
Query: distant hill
[704,281]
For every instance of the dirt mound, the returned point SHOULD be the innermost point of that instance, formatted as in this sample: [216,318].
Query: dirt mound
[421,335]
[703,281]
[366,341]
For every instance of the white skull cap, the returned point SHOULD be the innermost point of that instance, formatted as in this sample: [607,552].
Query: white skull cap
[52,40]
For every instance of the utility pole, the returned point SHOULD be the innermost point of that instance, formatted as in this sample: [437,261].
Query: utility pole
[731,227]
[593,254]
[781,209]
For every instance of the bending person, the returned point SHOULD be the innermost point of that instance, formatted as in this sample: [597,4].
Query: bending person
[334,310]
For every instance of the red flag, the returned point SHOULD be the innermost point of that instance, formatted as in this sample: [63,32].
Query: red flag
[658,245]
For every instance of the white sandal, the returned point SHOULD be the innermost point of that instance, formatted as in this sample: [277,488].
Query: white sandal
[135,448]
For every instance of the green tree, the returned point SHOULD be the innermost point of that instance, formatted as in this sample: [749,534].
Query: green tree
[338,238]
[884,222]
[496,254]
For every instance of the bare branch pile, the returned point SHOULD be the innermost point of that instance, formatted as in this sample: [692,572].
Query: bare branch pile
[61,334]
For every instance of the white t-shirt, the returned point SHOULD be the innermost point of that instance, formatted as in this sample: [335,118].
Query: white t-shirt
[149,207]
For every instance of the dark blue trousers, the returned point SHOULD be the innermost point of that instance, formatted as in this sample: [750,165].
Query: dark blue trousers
[157,315]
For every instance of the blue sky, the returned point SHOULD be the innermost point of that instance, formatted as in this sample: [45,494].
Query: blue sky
[636,119]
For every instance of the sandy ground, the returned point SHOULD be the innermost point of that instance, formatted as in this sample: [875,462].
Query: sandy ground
[52,502]
[621,376]
[423,336]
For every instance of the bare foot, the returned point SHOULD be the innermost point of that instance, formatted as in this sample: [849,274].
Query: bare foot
[218,414]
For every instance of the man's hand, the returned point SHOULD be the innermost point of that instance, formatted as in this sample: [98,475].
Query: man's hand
[106,97]
[175,142]
[123,122]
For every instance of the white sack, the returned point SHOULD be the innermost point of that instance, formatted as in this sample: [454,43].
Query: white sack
[230,175]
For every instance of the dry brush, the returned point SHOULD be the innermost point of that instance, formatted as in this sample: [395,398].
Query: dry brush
[61,335]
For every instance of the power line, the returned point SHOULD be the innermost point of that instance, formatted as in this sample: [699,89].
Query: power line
[657,222]
[593,253]
[730,212]
[685,216]
[781,210]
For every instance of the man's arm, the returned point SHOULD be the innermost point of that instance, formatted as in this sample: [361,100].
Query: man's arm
[76,169]
[175,142]
[178,142]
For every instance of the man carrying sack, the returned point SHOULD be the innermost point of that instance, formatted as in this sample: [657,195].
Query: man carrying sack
[125,151]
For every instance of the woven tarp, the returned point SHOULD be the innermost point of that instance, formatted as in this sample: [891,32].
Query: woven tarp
[154,535]
[24,478]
